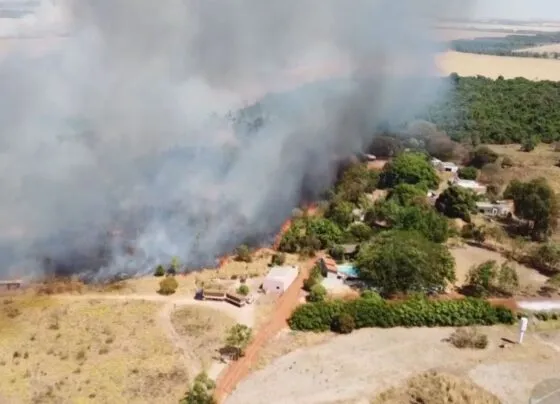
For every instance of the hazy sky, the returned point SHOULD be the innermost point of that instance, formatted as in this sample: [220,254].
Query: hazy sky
[519,9]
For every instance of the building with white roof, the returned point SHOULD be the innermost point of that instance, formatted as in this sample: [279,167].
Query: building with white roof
[279,279]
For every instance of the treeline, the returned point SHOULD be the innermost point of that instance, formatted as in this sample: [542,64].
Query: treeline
[483,110]
[511,45]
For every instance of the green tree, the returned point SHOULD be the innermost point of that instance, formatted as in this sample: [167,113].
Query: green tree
[407,194]
[546,256]
[488,279]
[174,266]
[340,212]
[529,144]
[537,203]
[160,271]
[385,146]
[355,181]
[425,220]
[456,202]
[326,231]
[278,259]
[318,293]
[315,277]
[468,173]
[243,290]
[238,338]
[405,262]
[201,391]
[359,232]
[409,168]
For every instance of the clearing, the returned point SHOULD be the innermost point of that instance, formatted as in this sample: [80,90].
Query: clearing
[467,256]
[467,64]
[56,351]
[541,162]
[369,361]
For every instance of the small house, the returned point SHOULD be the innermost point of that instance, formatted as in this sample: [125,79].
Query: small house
[448,167]
[498,209]
[213,294]
[236,299]
[279,279]
[472,185]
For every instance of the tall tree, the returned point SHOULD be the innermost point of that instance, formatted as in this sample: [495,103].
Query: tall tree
[409,168]
[238,338]
[404,262]
[537,203]
[457,202]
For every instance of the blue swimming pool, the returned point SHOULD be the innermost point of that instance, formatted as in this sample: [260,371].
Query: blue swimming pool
[347,269]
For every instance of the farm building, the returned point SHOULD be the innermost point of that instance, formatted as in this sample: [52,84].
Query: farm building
[474,186]
[279,279]
[499,209]
[447,167]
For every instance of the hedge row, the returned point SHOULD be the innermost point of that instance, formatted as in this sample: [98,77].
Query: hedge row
[418,312]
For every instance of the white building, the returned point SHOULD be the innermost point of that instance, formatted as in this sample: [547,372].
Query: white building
[448,167]
[279,279]
[474,186]
[500,209]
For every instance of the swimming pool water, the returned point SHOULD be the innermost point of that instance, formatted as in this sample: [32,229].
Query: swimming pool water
[348,270]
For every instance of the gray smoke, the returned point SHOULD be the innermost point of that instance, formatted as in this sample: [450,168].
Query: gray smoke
[116,150]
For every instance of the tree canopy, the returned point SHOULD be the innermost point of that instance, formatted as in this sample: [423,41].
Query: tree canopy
[456,202]
[403,262]
[536,202]
[409,168]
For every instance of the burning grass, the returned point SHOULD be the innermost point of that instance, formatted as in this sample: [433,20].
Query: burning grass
[55,351]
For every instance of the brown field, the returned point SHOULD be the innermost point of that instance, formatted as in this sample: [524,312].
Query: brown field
[466,64]
[360,366]
[542,49]
[450,34]
[85,351]
[203,330]
[538,163]
[467,256]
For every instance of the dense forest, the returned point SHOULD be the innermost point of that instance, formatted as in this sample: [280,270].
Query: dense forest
[511,45]
[475,110]
[501,111]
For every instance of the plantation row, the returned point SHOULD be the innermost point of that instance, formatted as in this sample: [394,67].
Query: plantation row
[372,311]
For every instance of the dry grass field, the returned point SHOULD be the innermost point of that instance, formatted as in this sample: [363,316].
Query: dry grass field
[85,351]
[203,330]
[450,34]
[360,366]
[466,64]
[541,162]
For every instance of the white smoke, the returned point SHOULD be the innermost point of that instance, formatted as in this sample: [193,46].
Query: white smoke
[123,126]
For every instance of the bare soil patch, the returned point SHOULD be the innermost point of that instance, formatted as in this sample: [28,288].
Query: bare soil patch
[55,351]
[367,362]
[543,49]
[467,64]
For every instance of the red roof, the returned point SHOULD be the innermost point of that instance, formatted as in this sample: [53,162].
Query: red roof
[329,264]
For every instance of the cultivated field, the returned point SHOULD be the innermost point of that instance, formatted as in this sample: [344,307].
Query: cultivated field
[466,64]
[86,351]
[362,365]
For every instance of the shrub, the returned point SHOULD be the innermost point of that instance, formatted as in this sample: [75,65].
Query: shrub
[317,293]
[369,294]
[488,279]
[468,173]
[160,271]
[529,144]
[507,162]
[278,259]
[243,290]
[421,312]
[315,277]
[468,338]
[337,252]
[343,324]
[482,156]
[243,254]
[168,286]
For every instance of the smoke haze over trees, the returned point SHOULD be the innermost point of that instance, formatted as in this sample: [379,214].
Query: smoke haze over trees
[117,152]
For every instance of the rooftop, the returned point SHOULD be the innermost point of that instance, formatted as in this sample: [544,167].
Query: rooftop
[282,272]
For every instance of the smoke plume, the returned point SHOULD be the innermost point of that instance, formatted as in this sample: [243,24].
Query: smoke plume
[118,147]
